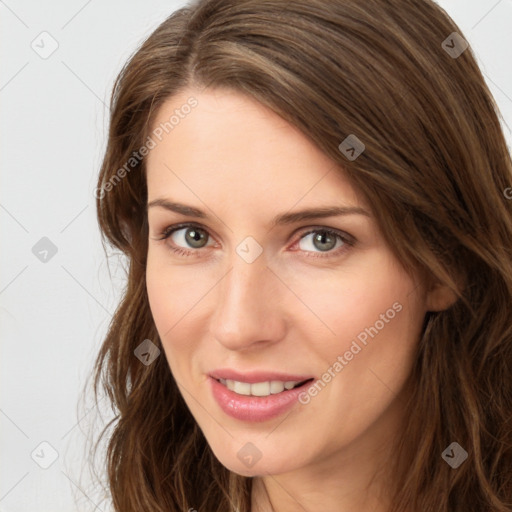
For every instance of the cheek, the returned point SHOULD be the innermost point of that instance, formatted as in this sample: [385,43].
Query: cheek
[174,295]
[374,315]
[346,302]
[365,366]
[160,300]
[166,290]
[171,290]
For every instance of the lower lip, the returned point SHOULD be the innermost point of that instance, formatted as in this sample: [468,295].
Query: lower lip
[255,408]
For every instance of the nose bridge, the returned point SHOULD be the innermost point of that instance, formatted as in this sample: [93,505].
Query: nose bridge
[245,309]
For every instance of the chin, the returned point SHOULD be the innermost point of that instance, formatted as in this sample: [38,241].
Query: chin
[262,467]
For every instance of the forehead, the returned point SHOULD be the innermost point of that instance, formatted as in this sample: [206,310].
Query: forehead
[230,147]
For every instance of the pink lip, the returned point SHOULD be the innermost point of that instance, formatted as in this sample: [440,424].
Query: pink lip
[254,408]
[257,376]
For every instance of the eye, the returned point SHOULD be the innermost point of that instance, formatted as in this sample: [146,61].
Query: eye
[191,234]
[324,241]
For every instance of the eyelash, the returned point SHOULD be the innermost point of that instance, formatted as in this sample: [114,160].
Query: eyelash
[348,241]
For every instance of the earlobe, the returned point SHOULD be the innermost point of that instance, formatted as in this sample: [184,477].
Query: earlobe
[440,297]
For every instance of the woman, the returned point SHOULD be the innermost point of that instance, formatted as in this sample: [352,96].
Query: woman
[311,196]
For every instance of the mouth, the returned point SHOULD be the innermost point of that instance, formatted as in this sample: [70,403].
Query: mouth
[259,400]
[261,389]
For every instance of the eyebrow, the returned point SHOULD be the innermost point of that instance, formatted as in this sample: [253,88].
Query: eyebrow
[282,219]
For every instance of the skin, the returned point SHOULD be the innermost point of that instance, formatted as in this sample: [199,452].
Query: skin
[288,310]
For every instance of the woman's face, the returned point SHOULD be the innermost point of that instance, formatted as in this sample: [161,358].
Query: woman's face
[251,304]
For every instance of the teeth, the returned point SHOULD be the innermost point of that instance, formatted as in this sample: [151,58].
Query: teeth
[258,388]
[276,386]
[242,388]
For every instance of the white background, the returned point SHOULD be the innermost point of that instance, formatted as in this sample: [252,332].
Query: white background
[55,313]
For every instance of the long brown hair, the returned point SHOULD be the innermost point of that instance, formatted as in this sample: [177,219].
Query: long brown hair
[434,169]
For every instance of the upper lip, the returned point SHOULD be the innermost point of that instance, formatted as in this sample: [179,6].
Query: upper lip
[256,376]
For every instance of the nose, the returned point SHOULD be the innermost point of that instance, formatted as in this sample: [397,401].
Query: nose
[247,310]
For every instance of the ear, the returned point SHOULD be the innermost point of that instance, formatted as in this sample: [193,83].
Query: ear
[440,297]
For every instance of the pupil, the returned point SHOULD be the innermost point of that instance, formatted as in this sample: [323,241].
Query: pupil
[195,236]
[321,238]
